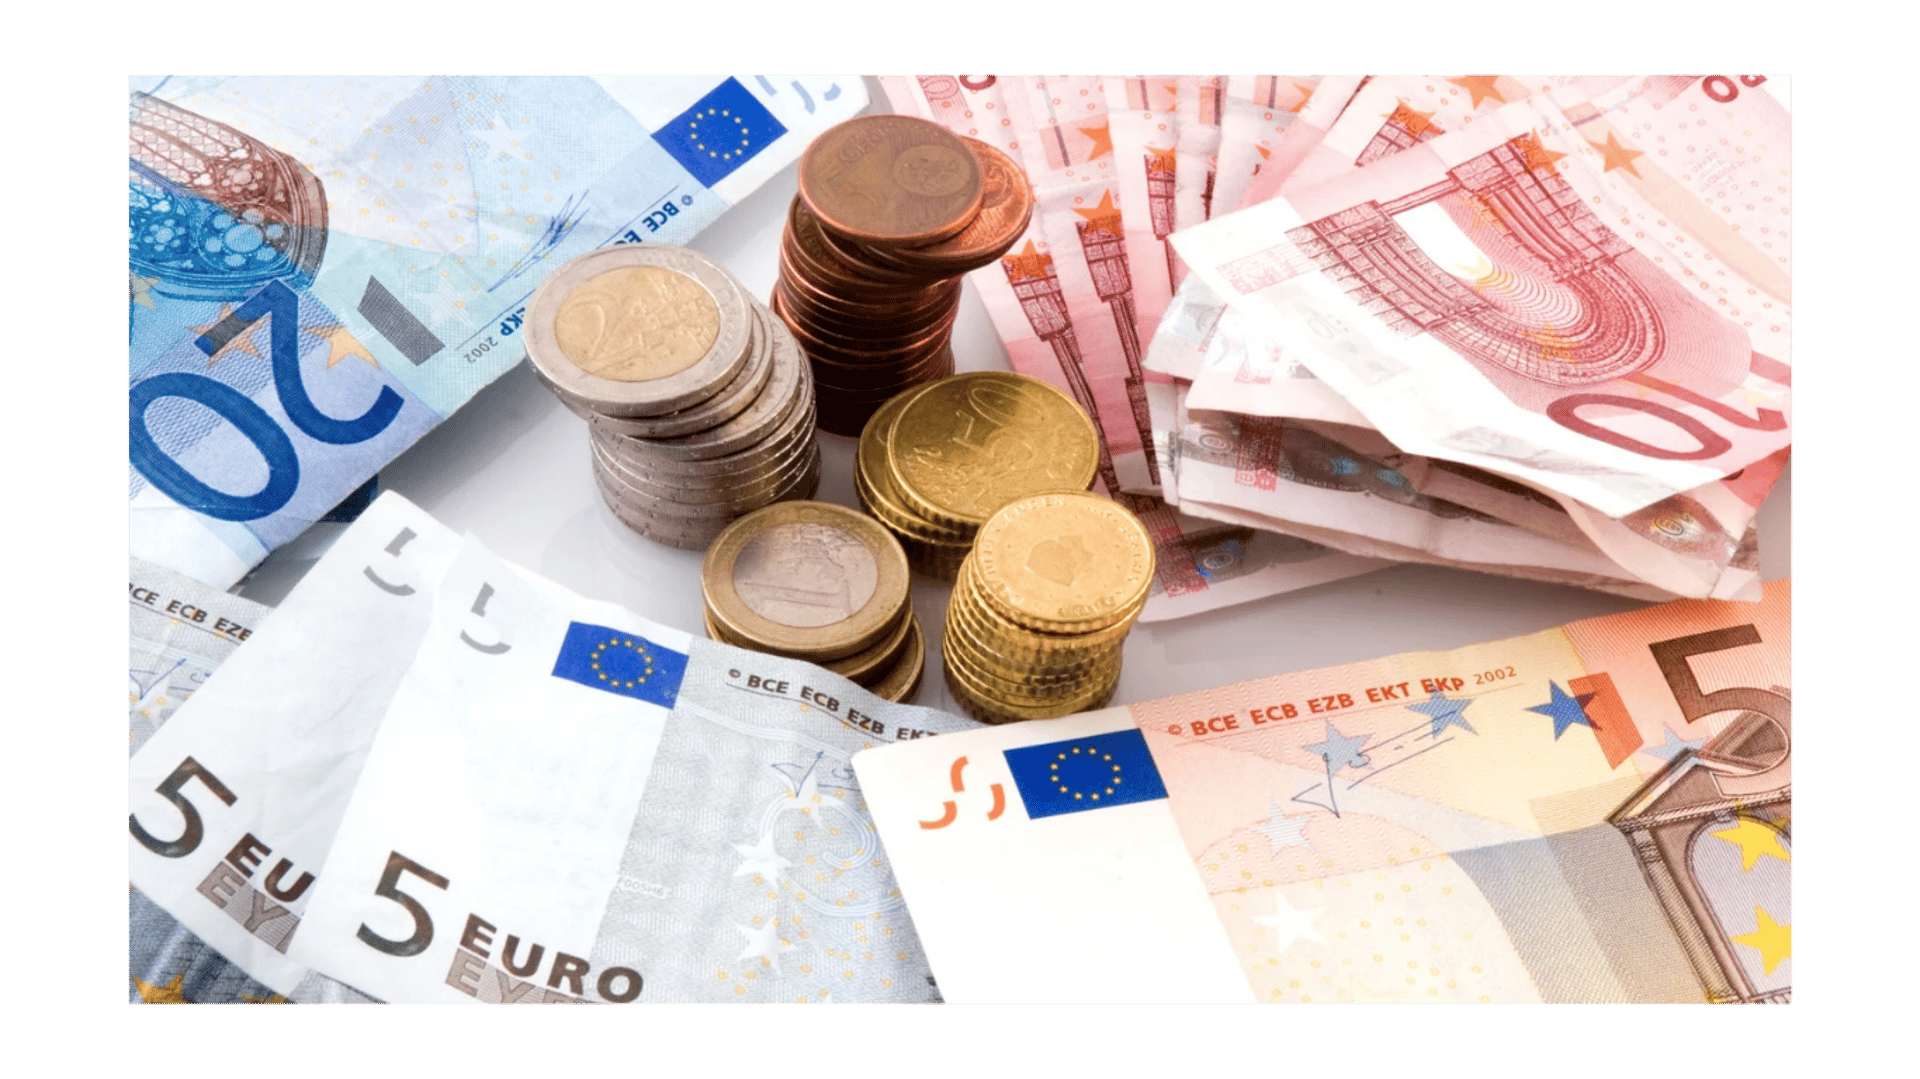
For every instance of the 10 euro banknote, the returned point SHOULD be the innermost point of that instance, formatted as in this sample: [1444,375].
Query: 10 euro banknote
[322,269]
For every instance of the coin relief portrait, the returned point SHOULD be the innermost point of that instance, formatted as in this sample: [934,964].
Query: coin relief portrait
[933,171]
[637,323]
[805,575]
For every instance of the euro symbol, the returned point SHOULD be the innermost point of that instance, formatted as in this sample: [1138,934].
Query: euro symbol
[951,811]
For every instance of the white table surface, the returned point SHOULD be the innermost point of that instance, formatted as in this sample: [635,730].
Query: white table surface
[511,467]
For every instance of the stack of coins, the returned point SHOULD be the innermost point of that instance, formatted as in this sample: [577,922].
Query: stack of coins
[892,212]
[1043,605]
[937,460]
[699,403]
[818,582]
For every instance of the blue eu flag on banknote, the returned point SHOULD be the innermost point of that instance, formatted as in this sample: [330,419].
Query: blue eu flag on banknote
[1091,772]
[620,662]
[721,132]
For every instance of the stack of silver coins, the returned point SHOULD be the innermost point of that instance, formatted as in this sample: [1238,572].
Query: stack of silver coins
[699,403]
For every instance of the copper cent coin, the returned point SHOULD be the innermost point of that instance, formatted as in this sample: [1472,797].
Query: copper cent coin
[1006,208]
[891,180]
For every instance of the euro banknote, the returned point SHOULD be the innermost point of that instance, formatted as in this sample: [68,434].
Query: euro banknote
[1179,343]
[321,269]
[234,802]
[1701,543]
[1066,139]
[1414,287]
[1389,113]
[1600,812]
[1144,126]
[1312,120]
[1197,147]
[1299,480]
[1065,305]
[567,802]
[1243,369]
[1651,133]
[1257,112]
[179,632]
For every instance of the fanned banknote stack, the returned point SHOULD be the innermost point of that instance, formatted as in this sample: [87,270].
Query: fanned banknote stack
[1525,325]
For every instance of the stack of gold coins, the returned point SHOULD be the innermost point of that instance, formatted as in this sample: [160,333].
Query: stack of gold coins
[1043,605]
[818,582]
[699,404]
[892,212]
[937,460]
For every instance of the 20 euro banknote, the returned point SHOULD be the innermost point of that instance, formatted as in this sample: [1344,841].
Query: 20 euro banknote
[322,269]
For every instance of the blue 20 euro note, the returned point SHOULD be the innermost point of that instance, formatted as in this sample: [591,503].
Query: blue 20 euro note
[321,269]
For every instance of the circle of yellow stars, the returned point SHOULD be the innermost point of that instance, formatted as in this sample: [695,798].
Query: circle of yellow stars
[1054,775]
[628,642]
[693,125]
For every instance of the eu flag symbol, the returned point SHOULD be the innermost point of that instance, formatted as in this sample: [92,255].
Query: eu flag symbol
[721,132]
[1085,773]
[618,662]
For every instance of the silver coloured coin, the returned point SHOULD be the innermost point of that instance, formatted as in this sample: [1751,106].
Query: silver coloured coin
[704,501]
[637,455]
[694,535]
[792,377]
[692,496]
[795,430]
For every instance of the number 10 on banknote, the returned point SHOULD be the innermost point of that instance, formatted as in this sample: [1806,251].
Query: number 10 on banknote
[1598,812]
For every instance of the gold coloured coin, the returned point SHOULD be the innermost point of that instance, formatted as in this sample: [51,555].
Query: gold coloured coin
[979,703]
[940,561]
[861,667]
[964,446]
[870,465]
[1017,680]
[1025,655]
[1064,562]
[812,580]
[1029,643]
[902,680]
[864,666]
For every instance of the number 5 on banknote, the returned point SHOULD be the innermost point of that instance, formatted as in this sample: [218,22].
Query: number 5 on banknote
[192,830]
[1763,731]
[1596,812]
[389,888]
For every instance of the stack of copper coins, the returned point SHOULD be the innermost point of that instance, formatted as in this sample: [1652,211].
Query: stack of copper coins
[1043,605]
[698,402]
[937,460]
[822,583]
[892,212]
